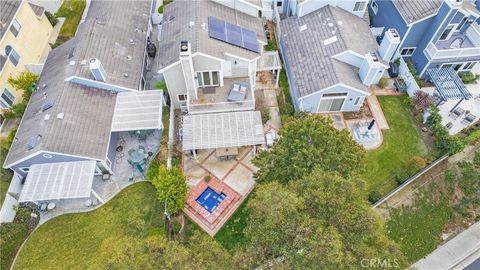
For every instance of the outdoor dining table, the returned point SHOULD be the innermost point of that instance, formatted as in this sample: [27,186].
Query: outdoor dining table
[137,156]
[226,152]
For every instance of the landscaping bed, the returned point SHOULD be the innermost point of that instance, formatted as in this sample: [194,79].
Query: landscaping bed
[442,208]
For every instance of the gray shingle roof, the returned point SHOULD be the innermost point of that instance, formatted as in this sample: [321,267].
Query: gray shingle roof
[177,17]
[88,112]
[311,62]
[3,60]
[8,8]
[414,10]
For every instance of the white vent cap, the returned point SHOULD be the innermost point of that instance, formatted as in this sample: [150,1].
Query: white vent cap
[303,28]
[60,115]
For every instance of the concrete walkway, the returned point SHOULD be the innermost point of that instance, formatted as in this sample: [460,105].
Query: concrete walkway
[458,253]
[377,112]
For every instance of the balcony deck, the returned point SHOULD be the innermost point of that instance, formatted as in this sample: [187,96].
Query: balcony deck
[214,99]
[446,44]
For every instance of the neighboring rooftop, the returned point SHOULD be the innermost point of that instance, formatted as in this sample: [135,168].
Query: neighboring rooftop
[415,10]
[310,60]
[38,10]
[8,9]
[188,20]
[81,117]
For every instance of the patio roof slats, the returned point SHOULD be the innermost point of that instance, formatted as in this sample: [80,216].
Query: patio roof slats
[139,110]
[62,180]
[234,129]
[448,84]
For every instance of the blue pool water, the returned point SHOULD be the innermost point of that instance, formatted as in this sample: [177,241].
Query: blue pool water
[210,199]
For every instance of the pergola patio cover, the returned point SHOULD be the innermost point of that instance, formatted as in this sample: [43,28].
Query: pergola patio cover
[139,110]
[62,180]
[448,84]
[234,129]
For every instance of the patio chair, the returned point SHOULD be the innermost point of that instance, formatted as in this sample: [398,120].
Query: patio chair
[456,113]
[469,118]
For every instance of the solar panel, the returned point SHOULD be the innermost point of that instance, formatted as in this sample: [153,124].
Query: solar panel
[250,41]
[216,29]
[233,34]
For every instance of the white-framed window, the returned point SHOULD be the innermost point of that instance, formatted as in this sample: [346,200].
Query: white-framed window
[358,101]
[469,65]
[462,23]
[279,3]
[182,97]
[334,95]
[408,51]
[447,33]
[12,55]
[208,78]
[24,169]
[47,156]
[374,6]
[15,28]
[359,6]
[7,98]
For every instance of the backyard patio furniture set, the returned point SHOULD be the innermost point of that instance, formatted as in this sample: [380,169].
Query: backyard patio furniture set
[465,116]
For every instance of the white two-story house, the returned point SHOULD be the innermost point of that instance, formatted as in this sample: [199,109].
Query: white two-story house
[210,54]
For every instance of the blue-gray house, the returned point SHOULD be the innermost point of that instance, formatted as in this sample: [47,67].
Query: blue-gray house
[331,58]
[90,89]
[433,33]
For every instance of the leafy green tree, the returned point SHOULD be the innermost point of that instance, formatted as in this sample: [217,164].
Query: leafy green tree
[171,187]
[322,221]
[308,141]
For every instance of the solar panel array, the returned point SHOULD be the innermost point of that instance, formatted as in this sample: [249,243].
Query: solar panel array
[233,34]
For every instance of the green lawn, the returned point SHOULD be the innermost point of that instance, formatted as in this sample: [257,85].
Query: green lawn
[231,235]
[400,144]
[73,241]
[72,18]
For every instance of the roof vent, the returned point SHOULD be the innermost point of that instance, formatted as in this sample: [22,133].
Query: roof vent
[340,22]
[47,105]
[60,115]
[303,28]
[72,63]
[129,57]
[330,24]
[329,41]
[83,62]
[374,56]
[203,26]
[191,24]
[125,75]
[131,41]
[97,70]
[47,117]
[32,142]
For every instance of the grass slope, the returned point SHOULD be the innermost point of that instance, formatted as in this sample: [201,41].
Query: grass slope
[72,18]
[400,144]
[73,241]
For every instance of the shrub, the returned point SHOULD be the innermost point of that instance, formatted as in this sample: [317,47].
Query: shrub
[51,18]
[374,196]
[285,104]
[161,85]
[207,178]
[421,101]
[414,165]
[476,160]
[473,137]
[469,77]
[383,82]
[401,177]
[413,71]
[160,9]
[176,227]
[445,143]
[265,113]
[271,46]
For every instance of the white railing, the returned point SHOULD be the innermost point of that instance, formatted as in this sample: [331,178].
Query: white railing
[220,107]
[407,77]
[434,53]
[269,61]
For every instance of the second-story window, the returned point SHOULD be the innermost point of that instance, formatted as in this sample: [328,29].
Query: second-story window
[374,6]
[446,33]
[208,78]
[359,6]
[407,51]
[15,28]
[12,55]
